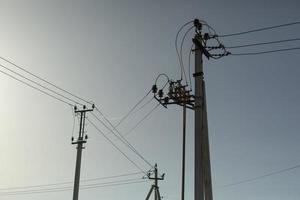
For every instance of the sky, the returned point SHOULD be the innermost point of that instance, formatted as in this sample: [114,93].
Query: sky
[110,52]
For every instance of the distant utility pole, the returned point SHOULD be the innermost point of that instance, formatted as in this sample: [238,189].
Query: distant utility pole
[154,187]
[82,137]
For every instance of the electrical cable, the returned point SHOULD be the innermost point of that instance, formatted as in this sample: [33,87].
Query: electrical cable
[263,43]
[42,91]
[40,85]
[260,29]
[44,80]
[69,182]
[176,45]
[181,47]
[264,52]
[114,145]
[83,187]
[122,138]
[139,122]
[261,177]
[133,108]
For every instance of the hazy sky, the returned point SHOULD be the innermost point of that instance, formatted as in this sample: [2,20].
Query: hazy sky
[110,52]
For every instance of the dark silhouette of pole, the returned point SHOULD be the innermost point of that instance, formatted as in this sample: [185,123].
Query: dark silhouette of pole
[183,152]
[80,141]
[155,185]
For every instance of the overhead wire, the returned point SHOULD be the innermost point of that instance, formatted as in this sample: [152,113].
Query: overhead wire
[69,182]
[260,29]
[264,52]
[261,176]
[44,80]
[114,145]
[121,137]
[181,57]
[263,43]
[141,120]
[176,44]
[36,88]
[40,85]
[67,188]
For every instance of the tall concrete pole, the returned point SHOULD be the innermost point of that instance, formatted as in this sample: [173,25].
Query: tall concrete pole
[199,108]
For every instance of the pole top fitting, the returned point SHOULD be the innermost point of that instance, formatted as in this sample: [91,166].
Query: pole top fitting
[197,24]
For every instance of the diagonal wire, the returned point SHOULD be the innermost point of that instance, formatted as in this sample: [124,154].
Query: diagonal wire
[38,89]
[44,80]
[114,145]
[139,122]
[262,176]
[40,85]
[122,138]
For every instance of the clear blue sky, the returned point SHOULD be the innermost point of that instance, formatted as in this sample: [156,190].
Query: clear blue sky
[110,52]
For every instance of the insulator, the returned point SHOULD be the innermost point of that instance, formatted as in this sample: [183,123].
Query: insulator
[75,107]
[160,93]
[166,99]
[206,36]
[197,24]
[93,106]
[72,138]
[86,137]
[84,106]
[154,89]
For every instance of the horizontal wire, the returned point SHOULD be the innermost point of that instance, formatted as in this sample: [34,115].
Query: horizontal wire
[114,145]
[263,43]
[42,79]
[69,182]
[264,52]
[260,29]
[38,89]
[71,188]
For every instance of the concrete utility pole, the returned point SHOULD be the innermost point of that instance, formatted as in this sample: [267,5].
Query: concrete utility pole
[203,185]
[155,185]
[80,141]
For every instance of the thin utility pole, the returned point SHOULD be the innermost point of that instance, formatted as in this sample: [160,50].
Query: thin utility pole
[183,151]
[80,141]
[155,185]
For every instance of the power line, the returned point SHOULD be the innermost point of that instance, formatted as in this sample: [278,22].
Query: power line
[260,29]
[139,122]
[40,85]
[263,43]
[176,45]
[121,137]
[114,145]
[42,91]
[262,176]
[263,52]
[83,187]
[44,80]
[133,108]
[69,182]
